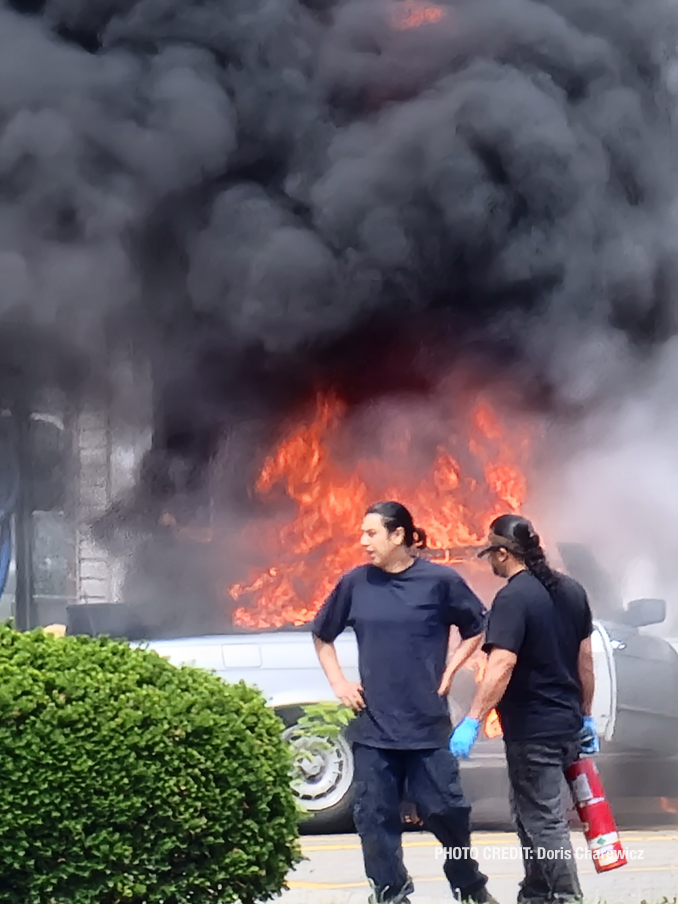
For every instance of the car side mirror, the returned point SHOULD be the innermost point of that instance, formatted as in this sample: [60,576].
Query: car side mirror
[640,613]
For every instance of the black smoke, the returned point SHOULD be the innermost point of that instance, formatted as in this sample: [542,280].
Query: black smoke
[259,197]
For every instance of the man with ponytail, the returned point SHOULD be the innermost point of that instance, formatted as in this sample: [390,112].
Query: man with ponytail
[402,607]
[539,676]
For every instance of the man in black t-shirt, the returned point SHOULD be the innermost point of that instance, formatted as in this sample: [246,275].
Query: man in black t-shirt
[539,675]
[402,608]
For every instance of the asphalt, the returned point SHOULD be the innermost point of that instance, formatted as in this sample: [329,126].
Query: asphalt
[333,871]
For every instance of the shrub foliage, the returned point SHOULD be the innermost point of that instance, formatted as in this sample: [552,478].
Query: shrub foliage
[325,720]
[127,779]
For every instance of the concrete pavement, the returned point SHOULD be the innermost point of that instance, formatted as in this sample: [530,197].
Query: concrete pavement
[333,872]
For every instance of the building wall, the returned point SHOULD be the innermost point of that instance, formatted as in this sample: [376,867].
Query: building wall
[109,445]
[82,458]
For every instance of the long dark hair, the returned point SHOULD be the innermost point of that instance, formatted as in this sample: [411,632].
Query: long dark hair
[524,543]
[395,515]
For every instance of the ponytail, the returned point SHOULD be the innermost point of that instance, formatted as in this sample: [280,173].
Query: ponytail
[419,537]
[395,515]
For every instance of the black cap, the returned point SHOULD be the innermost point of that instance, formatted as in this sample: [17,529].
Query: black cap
[497,542]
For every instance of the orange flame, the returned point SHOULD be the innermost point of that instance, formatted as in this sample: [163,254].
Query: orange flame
[492,724]
[669,805]
[415,13]
[328,493]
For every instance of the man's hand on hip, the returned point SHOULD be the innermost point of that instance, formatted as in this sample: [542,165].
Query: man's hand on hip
[350,693]
[446,681]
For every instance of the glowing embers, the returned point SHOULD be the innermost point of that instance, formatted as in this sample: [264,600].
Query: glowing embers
[455,467]
[492,725]
[415,13]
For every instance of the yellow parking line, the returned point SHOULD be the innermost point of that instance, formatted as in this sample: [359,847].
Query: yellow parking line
[476,841]
[353,846]
[339,885]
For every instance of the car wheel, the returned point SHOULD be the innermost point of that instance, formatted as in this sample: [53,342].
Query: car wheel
[323,783]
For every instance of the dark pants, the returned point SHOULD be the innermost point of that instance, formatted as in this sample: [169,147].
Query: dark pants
[536,775]
[431,778]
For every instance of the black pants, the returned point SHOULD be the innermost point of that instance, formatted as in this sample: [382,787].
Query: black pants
[536,776]
[432,781]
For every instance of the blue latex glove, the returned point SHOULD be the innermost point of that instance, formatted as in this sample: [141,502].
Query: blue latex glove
[464,737]
[588,736]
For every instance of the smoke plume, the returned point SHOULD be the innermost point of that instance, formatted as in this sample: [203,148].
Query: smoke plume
[612,482]
[257,197]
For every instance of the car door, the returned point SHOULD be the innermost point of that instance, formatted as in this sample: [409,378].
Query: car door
[647,691]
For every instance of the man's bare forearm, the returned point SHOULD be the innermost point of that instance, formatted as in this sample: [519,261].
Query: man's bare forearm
[463,653]
[587,676]
[349,692]
[498,671]
[329,661]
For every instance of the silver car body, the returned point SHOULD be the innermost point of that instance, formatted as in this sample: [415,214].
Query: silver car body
[285,668]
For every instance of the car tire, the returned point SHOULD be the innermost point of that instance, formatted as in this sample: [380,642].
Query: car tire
[327,790]
[337,819]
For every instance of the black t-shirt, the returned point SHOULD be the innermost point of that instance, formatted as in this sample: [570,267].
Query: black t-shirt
[402,625]
[543,698]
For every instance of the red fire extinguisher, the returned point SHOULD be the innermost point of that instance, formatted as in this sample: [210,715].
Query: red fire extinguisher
[600,829]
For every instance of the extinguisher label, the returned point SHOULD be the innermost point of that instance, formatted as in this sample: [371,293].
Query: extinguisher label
[601,841]
[581,789]
[609,857]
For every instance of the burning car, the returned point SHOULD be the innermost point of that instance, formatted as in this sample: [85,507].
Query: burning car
[457,471]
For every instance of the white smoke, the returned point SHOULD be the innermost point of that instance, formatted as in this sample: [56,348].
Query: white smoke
[611,482]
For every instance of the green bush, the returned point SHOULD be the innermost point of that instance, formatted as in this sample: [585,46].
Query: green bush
[126,779]
[324,720]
